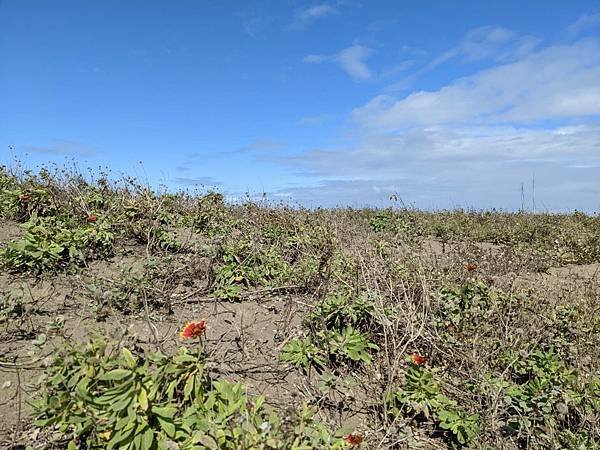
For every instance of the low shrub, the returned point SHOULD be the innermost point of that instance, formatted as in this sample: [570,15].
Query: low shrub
[51,243]
[97,397]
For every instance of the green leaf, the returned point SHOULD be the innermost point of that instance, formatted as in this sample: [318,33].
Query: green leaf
[115,374]
[147,438]
[129,358]
[121,436]
[167,425]
[189,386]
[167,412]
[206,441]
[123,403]
[143,399]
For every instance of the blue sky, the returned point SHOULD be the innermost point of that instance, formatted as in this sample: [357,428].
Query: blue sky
[444,104]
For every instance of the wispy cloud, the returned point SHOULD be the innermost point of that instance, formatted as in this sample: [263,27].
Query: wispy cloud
[490,42]
[352,60]
[317,11]
[255,26]
[557,82]
[306,16]
[197,181]
[414,52]
[315,59]
[471,184]
[314,121]
[265,145]
[258,146]
[537,110]
[384,155]
[458,167]
[61,147]
[584,23]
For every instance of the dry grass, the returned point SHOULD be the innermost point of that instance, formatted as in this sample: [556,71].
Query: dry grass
[504,306]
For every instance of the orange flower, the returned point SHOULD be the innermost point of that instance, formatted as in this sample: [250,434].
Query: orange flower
[471,267]
[354,439]
[91,218]
[193,330]
[418,359]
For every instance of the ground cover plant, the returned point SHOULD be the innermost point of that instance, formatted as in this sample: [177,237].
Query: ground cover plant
[142,319]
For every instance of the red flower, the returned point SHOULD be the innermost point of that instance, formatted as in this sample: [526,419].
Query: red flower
[91,218]
[354,439]
[471,267]
[193,330]
[24,198]
[418,359]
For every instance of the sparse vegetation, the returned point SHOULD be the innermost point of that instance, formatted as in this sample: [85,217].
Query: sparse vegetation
[323,329]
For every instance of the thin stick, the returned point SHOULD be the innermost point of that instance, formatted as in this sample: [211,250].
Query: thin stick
[18,425]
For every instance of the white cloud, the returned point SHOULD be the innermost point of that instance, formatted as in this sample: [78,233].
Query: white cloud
[476,139]
[382,156]
[469,185]
[441,167]
[317,11]
[351,60]
[556,82]
[312,13]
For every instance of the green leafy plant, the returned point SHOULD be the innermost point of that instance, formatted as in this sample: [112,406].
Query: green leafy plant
[464,426]
[349,344]
[20,202]
[329,347]
[211,216]
[330,384]
[236,271]
[303,353]
[338,333]
[381,222]
[148,219]
[242,267]
[544,394]
[98,399]
[463,302]
[51,243]
[339,310]
[421,395]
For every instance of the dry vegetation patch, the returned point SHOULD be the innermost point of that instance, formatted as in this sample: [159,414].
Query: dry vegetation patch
[330,329]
